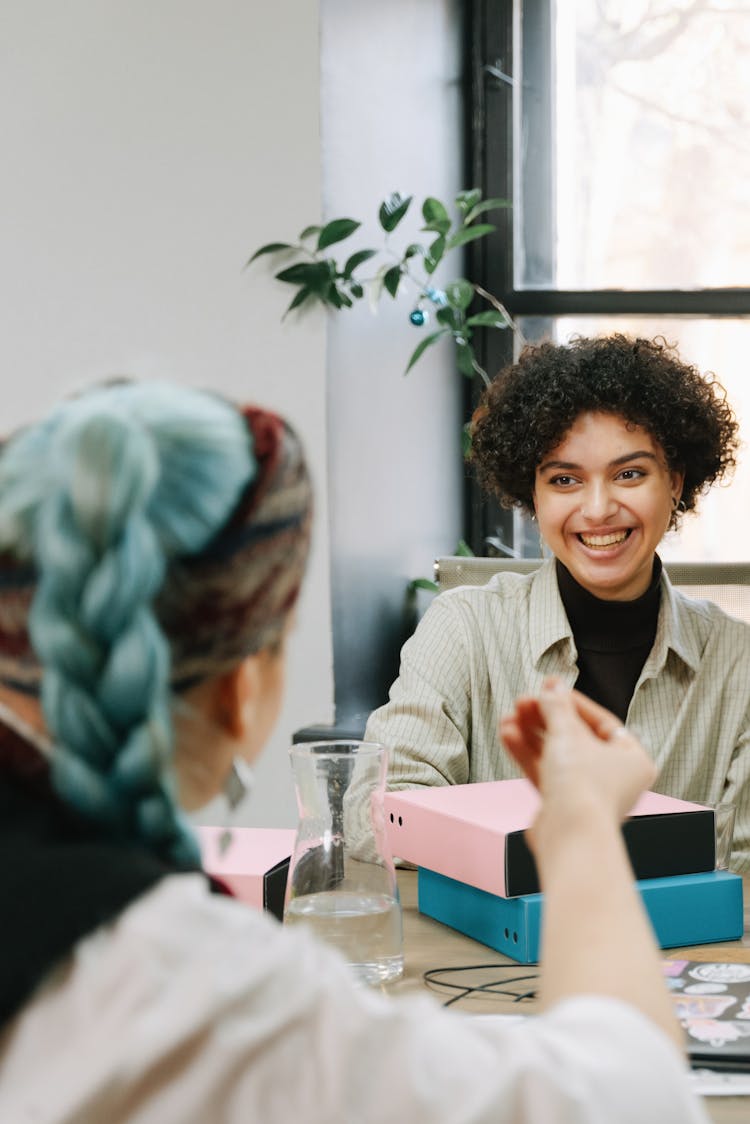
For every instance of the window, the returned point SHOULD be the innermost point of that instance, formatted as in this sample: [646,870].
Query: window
[622,133]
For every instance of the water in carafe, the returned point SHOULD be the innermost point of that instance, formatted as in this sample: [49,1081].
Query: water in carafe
[342,882]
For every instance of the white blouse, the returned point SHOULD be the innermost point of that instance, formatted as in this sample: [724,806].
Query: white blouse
[195,1008]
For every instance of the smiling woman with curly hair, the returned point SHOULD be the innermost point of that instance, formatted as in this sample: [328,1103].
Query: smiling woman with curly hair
[606,442]
[533,403]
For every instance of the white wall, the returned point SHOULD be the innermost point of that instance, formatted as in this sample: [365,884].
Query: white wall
[148,147]
[391,121]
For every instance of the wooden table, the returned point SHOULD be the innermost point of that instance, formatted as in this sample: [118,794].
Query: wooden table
[429,945]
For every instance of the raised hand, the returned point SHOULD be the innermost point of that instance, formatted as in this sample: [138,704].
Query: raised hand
[576,753]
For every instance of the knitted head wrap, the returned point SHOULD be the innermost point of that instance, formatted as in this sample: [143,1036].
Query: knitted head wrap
[233,599]
[153,536]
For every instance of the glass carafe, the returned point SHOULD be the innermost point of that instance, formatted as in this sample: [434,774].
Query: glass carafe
[342,882]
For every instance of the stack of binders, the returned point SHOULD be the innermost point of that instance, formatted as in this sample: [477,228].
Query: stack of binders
[477,875]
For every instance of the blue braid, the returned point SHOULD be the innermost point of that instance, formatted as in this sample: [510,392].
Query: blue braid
[100,496]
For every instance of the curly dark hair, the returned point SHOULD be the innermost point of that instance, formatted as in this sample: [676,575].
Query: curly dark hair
[531,405]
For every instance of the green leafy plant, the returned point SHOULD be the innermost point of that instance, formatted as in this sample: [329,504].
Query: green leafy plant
[338,283]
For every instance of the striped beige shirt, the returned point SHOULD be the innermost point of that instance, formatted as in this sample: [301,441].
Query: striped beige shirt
[478,648]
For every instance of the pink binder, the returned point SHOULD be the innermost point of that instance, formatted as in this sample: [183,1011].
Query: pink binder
[252,861]
[474,833]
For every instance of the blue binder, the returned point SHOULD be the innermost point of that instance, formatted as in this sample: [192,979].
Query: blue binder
[684,910]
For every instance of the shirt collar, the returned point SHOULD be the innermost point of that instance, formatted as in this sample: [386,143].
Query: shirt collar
[548,623]
[673,633]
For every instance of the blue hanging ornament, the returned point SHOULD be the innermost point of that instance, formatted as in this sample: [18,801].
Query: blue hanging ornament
[437,296]
[418,317]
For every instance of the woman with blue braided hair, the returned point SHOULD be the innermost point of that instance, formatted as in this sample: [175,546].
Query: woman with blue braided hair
[153,542]
[117,490]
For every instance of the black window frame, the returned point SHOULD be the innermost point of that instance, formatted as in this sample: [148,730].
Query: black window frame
[492,37]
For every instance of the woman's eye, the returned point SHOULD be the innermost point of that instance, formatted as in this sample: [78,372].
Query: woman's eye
[563,481]
[631,474]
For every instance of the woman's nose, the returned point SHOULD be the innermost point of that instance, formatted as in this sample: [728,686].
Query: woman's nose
[597,502]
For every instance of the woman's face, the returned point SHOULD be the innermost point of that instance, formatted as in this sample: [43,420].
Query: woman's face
[603,499]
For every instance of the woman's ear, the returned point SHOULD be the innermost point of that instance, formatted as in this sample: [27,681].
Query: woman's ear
[677,481]
[243,703]
[235,691]
[224,699]
[232,715]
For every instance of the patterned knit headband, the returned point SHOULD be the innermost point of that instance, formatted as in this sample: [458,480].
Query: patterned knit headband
[218,606]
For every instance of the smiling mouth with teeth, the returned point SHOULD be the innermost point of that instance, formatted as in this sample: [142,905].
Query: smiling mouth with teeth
[600,542]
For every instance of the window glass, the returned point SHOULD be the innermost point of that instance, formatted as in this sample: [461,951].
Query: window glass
[720,530]
[648,182]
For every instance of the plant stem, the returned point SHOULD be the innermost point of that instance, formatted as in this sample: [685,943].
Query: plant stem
[481,372]
[501,308]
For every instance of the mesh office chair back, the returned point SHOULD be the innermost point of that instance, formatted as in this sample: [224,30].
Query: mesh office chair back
[727,584]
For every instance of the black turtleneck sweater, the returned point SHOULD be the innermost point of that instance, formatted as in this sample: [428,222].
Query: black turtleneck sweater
[613,638]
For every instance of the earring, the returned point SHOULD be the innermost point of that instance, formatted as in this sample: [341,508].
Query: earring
[238,783]
[236,787]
